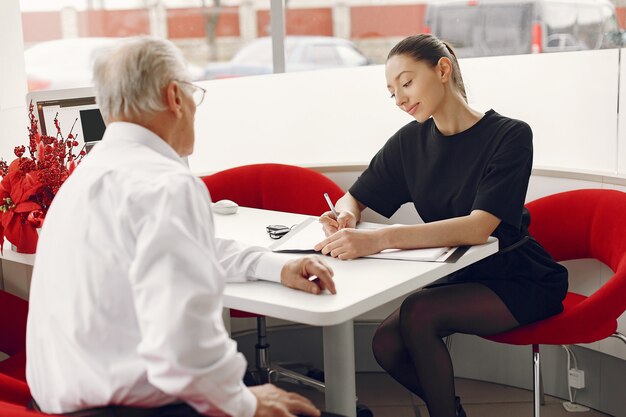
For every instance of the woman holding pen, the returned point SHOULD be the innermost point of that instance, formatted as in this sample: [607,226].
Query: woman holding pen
[467,174]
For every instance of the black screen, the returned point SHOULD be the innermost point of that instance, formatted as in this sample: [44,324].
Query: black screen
[93,125]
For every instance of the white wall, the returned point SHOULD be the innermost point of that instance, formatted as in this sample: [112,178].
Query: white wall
[621,148]
[13,114]
[317,118]
[569,99]
[342,117]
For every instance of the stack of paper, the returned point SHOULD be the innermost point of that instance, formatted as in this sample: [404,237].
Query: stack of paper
[307,234]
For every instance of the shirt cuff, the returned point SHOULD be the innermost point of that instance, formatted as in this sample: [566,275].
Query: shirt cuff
[268,267]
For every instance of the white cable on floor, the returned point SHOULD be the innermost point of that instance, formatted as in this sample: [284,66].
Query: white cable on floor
[571,406]
[569,387]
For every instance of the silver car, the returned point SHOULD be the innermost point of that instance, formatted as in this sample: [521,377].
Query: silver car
[302,53]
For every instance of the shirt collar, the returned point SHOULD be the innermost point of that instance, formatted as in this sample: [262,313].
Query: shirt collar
[134,133]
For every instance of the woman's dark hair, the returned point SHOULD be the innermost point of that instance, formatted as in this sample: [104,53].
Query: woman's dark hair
[426,47]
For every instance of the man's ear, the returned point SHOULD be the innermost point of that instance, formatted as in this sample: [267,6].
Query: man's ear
[174,99]
[444,69]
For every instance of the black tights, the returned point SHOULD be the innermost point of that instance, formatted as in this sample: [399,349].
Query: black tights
[409,345]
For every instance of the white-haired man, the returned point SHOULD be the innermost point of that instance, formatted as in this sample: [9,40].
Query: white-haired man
[125,312]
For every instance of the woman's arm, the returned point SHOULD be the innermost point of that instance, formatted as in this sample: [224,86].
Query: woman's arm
[472,229]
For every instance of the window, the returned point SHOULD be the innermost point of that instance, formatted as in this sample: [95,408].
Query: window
[322,55]
[222,41]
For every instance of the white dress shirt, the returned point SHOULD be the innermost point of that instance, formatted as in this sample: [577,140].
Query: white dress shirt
[126,295]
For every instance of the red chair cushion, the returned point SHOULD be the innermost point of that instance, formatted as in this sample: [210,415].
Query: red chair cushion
[243,314]
[580,224]
[15,366]
[14,391]
[557,329]
[274,187]
[12,410]
[14,311]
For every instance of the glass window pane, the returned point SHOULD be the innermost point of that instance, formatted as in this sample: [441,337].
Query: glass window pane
[350,56]
[506,29]
[456,25]
[322,55]
[221,41]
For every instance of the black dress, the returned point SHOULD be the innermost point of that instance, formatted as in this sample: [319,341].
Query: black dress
[485,167]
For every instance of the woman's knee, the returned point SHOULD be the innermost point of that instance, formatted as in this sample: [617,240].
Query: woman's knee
[387,346]
[417,315]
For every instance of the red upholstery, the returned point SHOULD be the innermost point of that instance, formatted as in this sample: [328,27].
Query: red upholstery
[13,388]
[576,225]
[13,391]
[273,187]
[13,410]
[13,313]
[15,366]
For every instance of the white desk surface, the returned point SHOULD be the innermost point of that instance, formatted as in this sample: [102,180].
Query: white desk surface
[362,284]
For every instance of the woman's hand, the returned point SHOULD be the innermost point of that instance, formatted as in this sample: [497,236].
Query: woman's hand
[350,243]
[331,225]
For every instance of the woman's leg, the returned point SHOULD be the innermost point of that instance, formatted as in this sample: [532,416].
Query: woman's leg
[408,343]
[391,354]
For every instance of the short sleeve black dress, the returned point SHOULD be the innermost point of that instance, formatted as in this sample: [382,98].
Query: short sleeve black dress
[486,167]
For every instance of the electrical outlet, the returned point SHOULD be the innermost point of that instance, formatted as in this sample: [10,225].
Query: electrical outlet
[576,378]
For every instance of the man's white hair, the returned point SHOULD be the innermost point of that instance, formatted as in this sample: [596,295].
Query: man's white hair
[130,77]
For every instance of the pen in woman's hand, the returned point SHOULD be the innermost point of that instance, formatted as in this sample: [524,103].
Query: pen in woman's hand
[331,205]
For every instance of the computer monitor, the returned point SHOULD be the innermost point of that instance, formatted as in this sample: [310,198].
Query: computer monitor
[74,106]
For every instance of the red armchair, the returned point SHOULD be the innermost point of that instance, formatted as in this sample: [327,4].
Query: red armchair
[277,187]
[14,392]
[13,313]
[8,409]
[577,225]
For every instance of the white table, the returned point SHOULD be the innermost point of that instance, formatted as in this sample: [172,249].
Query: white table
[362,285]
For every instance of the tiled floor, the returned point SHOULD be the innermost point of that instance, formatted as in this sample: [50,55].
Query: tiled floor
[386,398]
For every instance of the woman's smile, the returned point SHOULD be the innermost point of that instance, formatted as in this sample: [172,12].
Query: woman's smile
[411,110]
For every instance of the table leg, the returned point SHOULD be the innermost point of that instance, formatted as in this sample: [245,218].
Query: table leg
[339,369]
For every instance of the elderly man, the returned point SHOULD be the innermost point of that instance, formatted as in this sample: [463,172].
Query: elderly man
[126,297]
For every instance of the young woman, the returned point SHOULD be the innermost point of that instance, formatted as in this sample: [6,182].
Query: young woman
[467,174]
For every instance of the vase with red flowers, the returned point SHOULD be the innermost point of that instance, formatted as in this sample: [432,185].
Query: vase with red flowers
[31,181]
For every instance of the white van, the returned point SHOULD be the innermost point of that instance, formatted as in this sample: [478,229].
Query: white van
[510,27]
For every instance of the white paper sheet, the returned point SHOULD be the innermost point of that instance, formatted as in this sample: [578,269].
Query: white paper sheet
[307,234]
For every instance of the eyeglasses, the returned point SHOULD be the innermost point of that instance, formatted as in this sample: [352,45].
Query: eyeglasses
[197,93]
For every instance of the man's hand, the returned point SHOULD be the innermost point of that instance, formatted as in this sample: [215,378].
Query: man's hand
[296,274]
[274,402]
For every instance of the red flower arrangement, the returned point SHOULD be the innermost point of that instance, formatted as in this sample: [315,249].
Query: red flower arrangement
[30,183]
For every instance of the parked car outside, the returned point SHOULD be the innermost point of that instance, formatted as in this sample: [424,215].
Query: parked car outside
[68,63]
[302,53]
[509,27]
[562,42]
